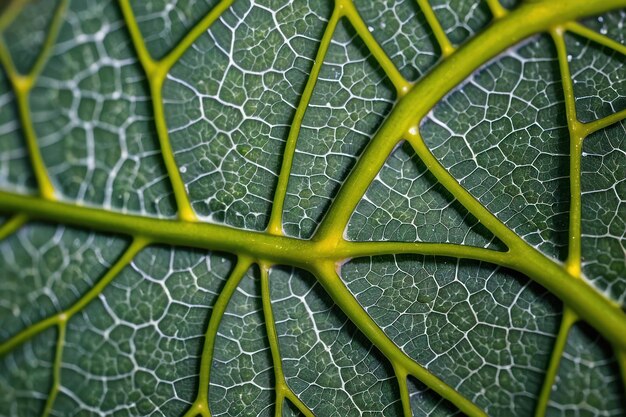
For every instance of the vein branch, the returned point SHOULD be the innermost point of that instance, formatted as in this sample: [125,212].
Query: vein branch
[567,321]
[401,377]
[48,44]
[194,33]
[488,219]
[332,283]
[333,224]
[350,249]
[60,318]
[10,12]
[22,85]
[496,9]
[576,136]
[440,35]
[56,368]
[594,36]
[596,125]
[12,225]
[283,391]
[343,8]
[201,404]
[276,217]
[155,74]
[348,9]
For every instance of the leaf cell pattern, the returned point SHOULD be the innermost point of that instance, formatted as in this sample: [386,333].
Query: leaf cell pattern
[256,208]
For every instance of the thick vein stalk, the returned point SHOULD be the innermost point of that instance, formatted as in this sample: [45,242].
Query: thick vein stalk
[210,236]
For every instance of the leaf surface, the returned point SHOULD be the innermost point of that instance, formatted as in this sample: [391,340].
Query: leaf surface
[322,208]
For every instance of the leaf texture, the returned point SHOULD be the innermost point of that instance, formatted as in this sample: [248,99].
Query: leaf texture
[312,208]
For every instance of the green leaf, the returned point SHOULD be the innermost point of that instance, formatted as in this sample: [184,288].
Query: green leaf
[359,208]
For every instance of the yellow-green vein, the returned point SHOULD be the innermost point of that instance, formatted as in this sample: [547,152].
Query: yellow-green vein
[526,20]
[168,61]
[12,225]
[401,377]
[56,368]
[11,12]
[201,404]
[567,321]
[599,124]
[208,236]
[327,275]
[276,218]
[573,262]
[155,75]
[594,36]
[22,84]
[133,249]
[350,12]
[348,249]
[282,389]
[440,35]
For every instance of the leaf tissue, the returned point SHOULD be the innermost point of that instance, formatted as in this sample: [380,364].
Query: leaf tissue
[313,207]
